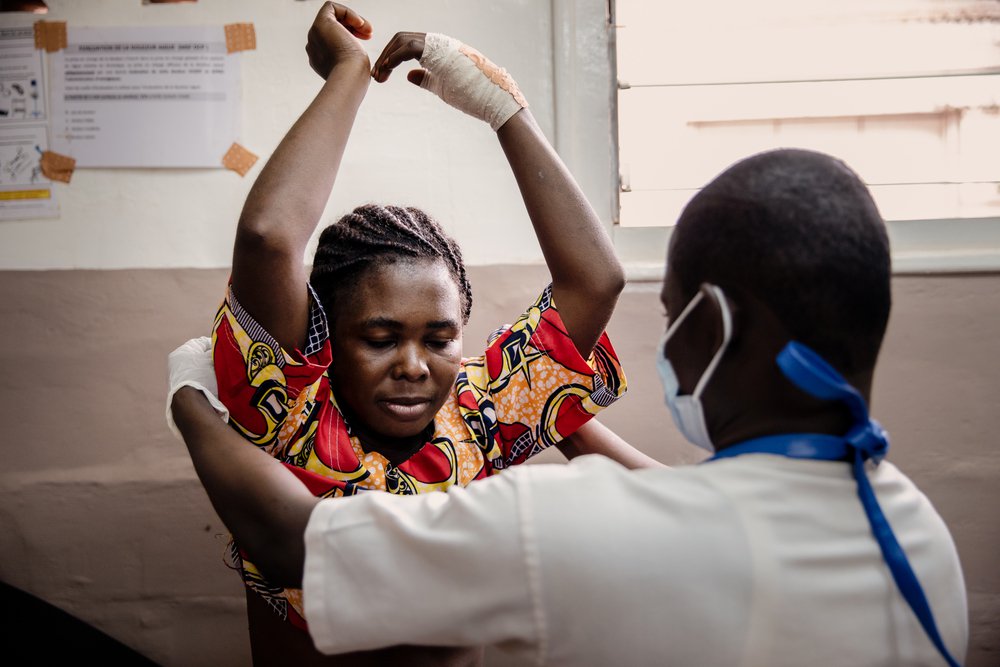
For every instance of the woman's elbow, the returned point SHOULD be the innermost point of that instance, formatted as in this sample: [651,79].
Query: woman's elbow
[615,279]
[599,289]
[255,239]
[607,285]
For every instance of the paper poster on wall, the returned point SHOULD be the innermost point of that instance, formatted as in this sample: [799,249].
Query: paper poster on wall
[22,89]
[25,192]
[145,96]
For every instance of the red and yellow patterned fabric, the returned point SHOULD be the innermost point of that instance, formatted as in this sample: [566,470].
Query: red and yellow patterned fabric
[529,390]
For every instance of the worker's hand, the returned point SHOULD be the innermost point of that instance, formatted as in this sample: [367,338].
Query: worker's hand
[190,365]
[455,72]
[333,38]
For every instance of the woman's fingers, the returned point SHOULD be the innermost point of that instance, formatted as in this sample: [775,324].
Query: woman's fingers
[351,20]
[386,50]
[333,37]
[402,47]
[416,76]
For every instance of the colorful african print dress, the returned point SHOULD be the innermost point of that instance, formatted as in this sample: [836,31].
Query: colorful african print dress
[529,390]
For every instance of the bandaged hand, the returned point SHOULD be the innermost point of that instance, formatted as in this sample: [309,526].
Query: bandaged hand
[455,72]
[190,365]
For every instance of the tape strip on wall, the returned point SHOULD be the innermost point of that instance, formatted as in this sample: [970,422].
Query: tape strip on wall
[50,35]
[57,167]
[238,159]
[240,37]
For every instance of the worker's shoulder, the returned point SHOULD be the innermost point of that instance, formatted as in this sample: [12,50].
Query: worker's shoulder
[654,519]
[597,480]
[906,506]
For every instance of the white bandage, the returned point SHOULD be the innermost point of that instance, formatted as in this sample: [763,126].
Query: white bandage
[191,365]
[468,81]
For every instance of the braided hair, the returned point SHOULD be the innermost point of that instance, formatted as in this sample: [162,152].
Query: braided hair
[373,235]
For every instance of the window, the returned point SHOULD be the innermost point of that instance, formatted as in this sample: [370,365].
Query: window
[907,92]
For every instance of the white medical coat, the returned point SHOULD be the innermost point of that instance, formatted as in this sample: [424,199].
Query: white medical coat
[754,560]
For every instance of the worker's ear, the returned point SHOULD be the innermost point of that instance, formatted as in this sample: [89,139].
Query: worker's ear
[705,328]
[720,315]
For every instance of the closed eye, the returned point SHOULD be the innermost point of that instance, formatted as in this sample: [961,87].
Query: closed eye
[380,343]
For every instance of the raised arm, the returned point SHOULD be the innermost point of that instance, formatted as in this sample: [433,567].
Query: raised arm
[285,204]
[261,502]
[586,275]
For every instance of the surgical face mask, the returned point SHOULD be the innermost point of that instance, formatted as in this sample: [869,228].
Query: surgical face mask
[687,411]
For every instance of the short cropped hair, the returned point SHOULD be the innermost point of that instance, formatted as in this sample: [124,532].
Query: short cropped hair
[374,235]
[799,231]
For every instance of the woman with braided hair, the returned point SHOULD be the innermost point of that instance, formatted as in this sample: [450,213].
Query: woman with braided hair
[353,376]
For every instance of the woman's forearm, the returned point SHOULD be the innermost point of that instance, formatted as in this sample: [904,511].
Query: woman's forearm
[289,196]
[586,276]
[596,438]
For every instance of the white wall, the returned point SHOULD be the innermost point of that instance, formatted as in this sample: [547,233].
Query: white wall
[407,147]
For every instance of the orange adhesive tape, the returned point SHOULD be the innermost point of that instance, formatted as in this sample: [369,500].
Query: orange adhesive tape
[240,37]
[57,167]
[50,35]
[238,159]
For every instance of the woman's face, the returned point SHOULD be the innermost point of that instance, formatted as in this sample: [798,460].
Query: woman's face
[397,344]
